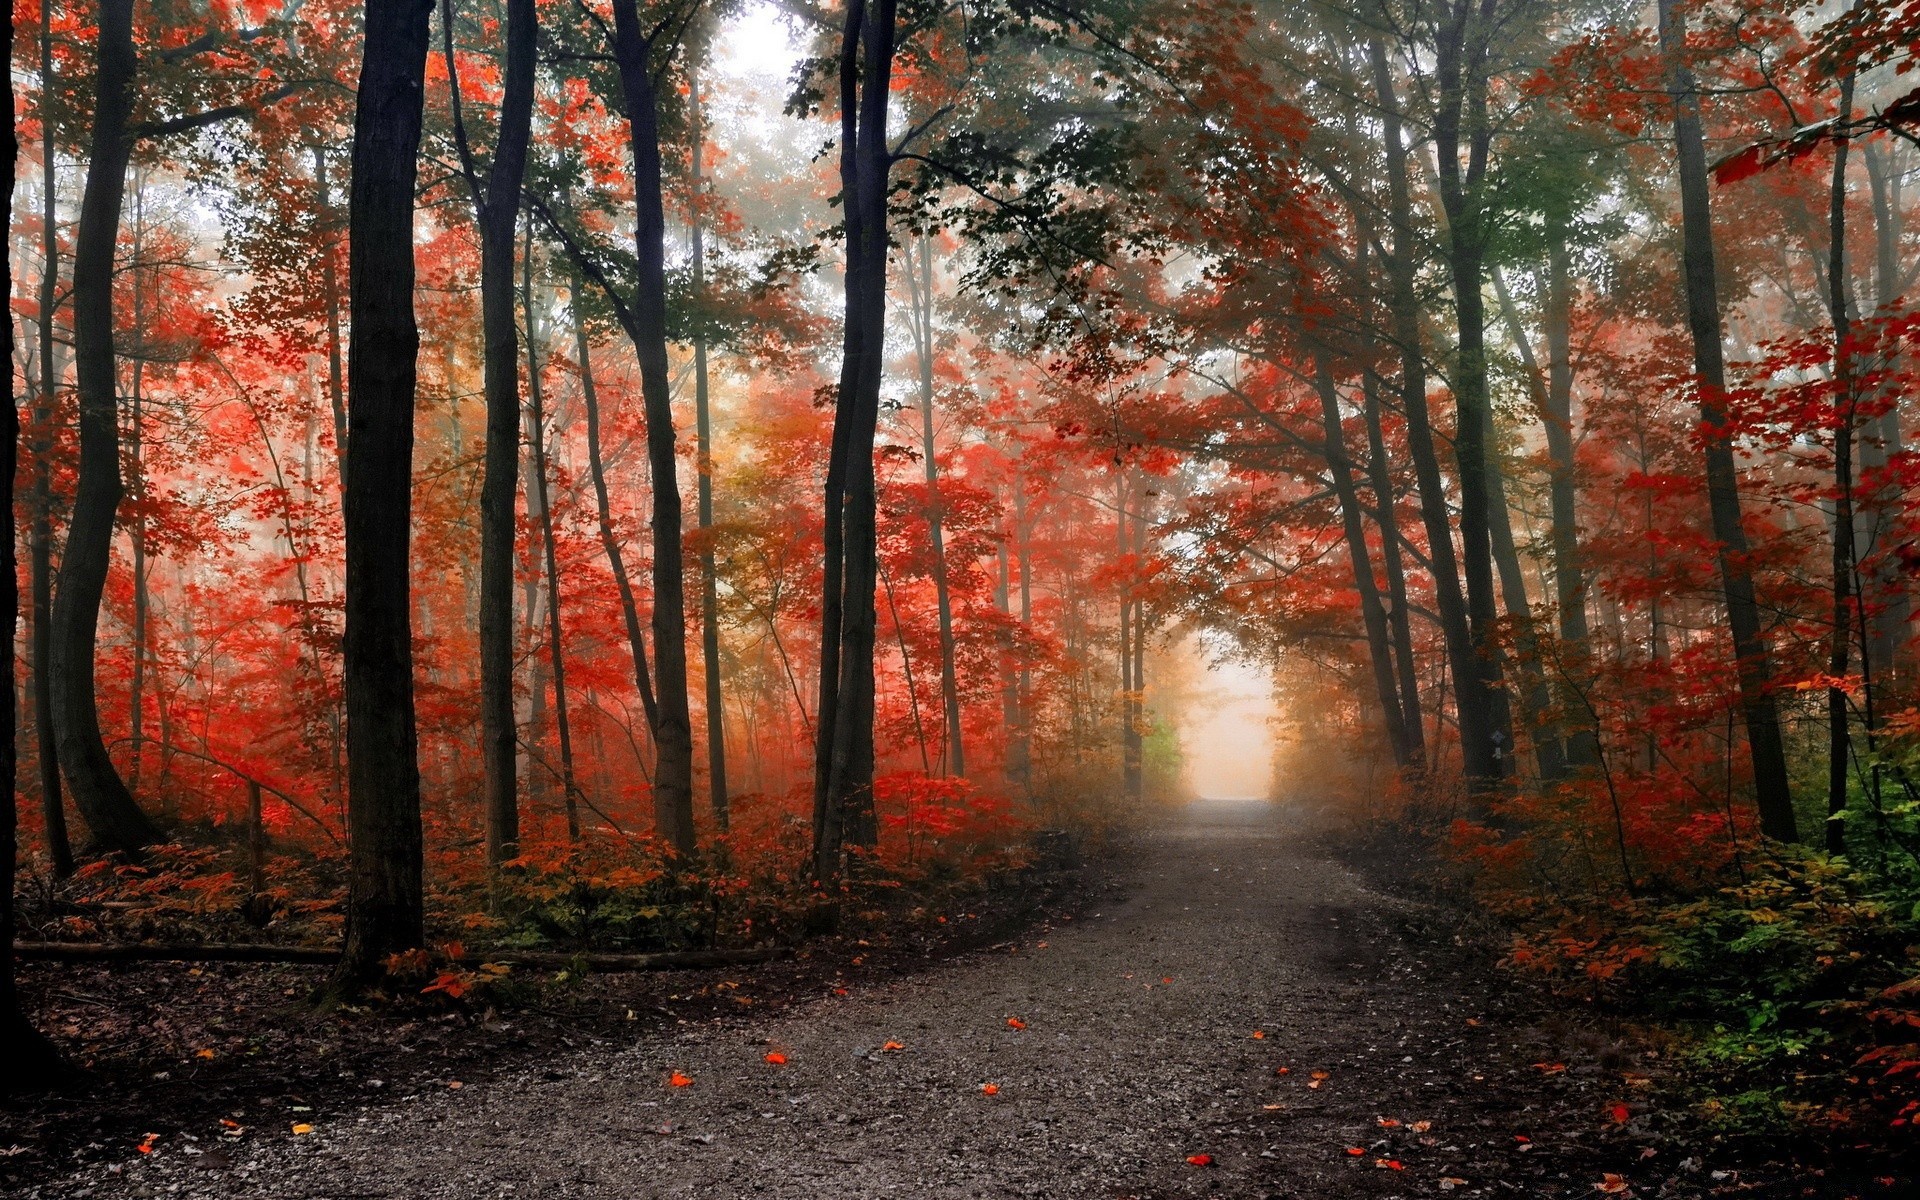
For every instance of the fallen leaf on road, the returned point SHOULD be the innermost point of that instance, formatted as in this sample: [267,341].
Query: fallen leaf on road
[1015,1023]
[1611,1184]
[990,1089]
[1283,1070]
[1421,1126]
[203,1054]
[890,1047]
[1387,1122]
[1450,1182]
[777,1059]
[1166,979]
[146,1143]
[1620,1113]
[1550,1068]
[302,1128]
[1259,1034]
[455,1084]
[678,1080]
[1273,1107]
[1355,1151]
[1199,1160]
[1388,1164]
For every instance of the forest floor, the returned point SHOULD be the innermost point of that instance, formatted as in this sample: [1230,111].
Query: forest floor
[1244,1018]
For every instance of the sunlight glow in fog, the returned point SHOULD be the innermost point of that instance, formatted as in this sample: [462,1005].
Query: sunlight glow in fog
[1226,733]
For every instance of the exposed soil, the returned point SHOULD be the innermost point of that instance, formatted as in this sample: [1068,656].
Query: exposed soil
[1120,1042]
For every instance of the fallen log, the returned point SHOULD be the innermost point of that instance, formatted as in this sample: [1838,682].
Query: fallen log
[664,960]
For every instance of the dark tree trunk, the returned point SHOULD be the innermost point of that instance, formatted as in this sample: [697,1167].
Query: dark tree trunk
[1460,111]
[556,656]
[703,451]
[385,909]
[1889,605]
[1772,794]
[1373,615]
[1845,401]
[27,1059]
[1474,703]
[843,747]
[1380,480]
[596,467]
[922,295]
[116,821]
[330,286]
[46,404]
[496,203]
[673,727]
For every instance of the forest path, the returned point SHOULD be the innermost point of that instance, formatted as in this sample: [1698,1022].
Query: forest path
[1138,1051]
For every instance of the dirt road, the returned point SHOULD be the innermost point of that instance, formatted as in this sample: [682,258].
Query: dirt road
[1250,1002]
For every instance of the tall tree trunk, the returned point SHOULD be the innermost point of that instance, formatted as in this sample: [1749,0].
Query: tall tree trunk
[29,1059]
[1772,794]
[1373,616]
[1845,557]
[556,656]
[496,203]
[1889,605]
[385,908]
[603,507]
[1137,718]
[46,405]
[330,298]
[136,445]
[703,451]
[1023,688]
[1474,704]
[843,747]
[922,298]
[116,821]
[1460,111]
[673,727]
[1399,623]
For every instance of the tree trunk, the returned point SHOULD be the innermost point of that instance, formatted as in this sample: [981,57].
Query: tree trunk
[1474,704]
[596,468]
[116,821]
[1023,729]
[385,909]
[1845,558]
[1379,652]
[703,433]
[46,405]
[922,296]
[29,1059]
[330,287]
[136,445]
[1889,606]
[496,205]
[1461,110]
[1771,791]
[1380,479]
[843,747]
[673,727]
[556,657]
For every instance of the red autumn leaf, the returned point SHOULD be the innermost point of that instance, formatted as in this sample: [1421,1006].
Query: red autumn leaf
[1015,1023]
[1355,1151]
[777,1059]
[1620,1114]
[678,1080]
[990,1089]
[1199,1160]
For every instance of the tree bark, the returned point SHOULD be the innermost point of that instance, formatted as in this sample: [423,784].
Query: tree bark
[1474,704]
[843,747]
[116,821]
[1889,605]
[1373,615]
[703,433]
[30,1061]
[556,657]
[385,907]
[46,406]
[1459,59]
[673,728]
[1399,624]
[1845,557]
[496,202]
[1772,794]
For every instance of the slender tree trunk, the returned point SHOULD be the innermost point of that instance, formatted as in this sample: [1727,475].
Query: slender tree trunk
[1137,718]
[596,468]
[330,288]
[27,1060]
[1380,479]
[46,407]
[1845,557]
[116,821]
[1460,113]
[1023,729]
[556,657]
[673,728]
[496,203]
[703,433]
[1474,703]
[1889,605]
[922,296]
[136,445]
[1379,651]
[385,907]
[843,751]
[1771,790]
